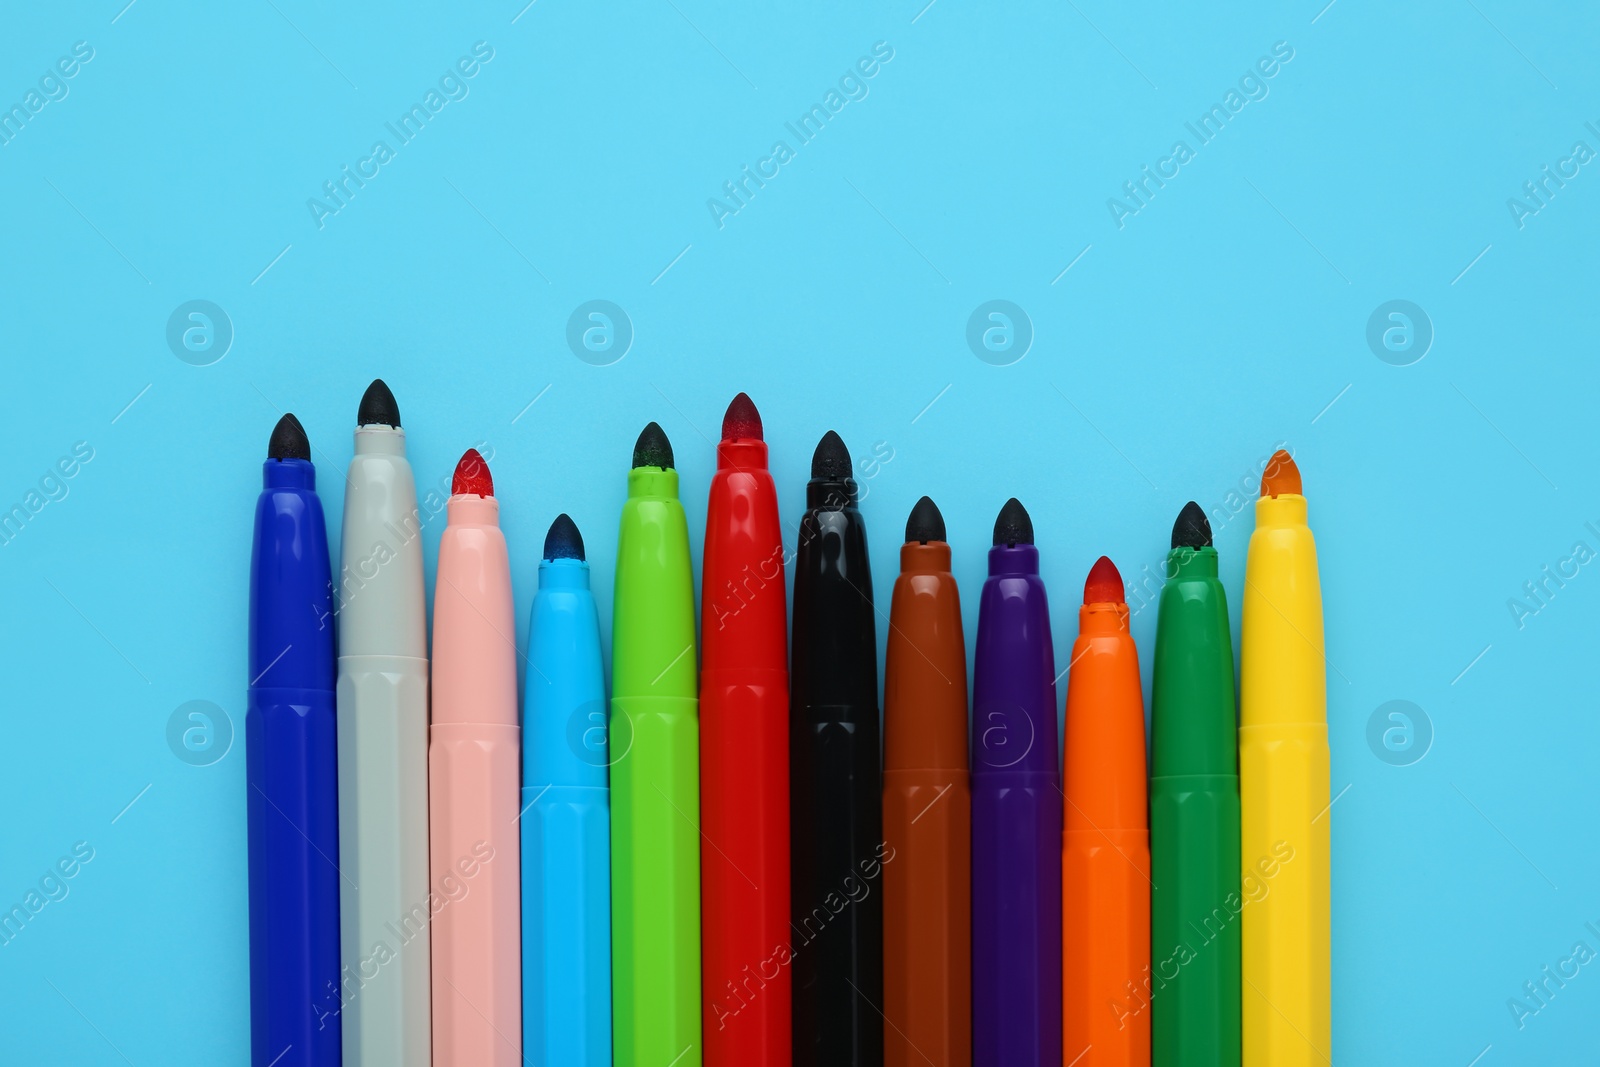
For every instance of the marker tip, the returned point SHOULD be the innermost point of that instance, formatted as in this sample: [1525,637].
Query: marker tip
[831,461]
[1192,529]
[472,476]
[926,522]
[289,440]
[653,449]
[378,407]
[742,420]
[1104,585]
[563,541]
[1013,526]
[1281,476]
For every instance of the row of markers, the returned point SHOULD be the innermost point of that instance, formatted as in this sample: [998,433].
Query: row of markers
[720,865]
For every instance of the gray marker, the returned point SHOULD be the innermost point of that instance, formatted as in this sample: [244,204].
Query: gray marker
[384,902]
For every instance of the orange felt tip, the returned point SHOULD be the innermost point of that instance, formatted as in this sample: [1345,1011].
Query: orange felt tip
[1281,475]
[1105,583]
[472,476]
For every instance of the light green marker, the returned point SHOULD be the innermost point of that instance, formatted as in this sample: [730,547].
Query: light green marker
[655,776]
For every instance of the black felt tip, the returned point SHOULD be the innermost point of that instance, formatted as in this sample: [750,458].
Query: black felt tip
[563,541]
[831,461]
[653,449]
[1193,529]
[378,407]
[289,440]
[1013,527]
[926,523]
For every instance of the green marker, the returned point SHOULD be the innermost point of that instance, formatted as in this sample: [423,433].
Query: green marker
[655,776]
[1194,813]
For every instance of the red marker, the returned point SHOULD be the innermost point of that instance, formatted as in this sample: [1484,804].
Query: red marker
[744,758]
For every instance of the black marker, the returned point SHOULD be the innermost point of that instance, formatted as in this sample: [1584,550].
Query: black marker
[836,801]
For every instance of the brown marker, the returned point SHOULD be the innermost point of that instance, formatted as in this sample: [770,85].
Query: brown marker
[927,817]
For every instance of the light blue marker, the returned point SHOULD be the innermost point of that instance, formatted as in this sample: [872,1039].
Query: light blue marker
[566,819]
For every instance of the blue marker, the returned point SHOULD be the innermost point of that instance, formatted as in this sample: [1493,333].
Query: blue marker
[566,819]
[292,768]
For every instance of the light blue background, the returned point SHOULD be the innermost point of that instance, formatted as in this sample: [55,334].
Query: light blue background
[1224,318]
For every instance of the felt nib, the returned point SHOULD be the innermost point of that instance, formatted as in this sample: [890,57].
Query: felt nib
[289,440]
[831,461]
[378,407]
[1104,585]
[472,476]
[1281,476]
[742,420]
[653,449]
[1013,527]
[1193,529]
[926,523]
[563,541]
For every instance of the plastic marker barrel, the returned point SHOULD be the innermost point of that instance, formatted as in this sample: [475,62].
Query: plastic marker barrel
[836,796]
[383,748]
[655,773]
[1105,859]
[744,756]
[1196,905]
[566,818]
[1283,785]
[1016,811]
[927,810]
[474,849]
[291,768]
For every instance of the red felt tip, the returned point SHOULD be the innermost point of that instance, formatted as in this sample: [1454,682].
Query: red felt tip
[1104,585]
[472,476]
[742,420]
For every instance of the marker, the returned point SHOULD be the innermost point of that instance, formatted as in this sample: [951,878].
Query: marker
[1194,813]
[655,787]
[472,786]
[292,767]
[835,786]
[744,756]
[927,810]
[1105,856]
[1283,785]
[383,748]
[1016,811]
[566,819]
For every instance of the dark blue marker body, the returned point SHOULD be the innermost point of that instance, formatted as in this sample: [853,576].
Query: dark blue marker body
[292,773]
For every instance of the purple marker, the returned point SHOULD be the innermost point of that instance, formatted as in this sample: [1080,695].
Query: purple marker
[1016,812]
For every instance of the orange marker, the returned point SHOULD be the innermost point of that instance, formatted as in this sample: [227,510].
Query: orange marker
[1105,859]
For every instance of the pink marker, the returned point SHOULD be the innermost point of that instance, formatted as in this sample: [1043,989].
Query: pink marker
[474,858]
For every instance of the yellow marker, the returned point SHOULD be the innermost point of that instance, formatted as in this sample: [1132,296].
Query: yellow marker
[1283,787]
